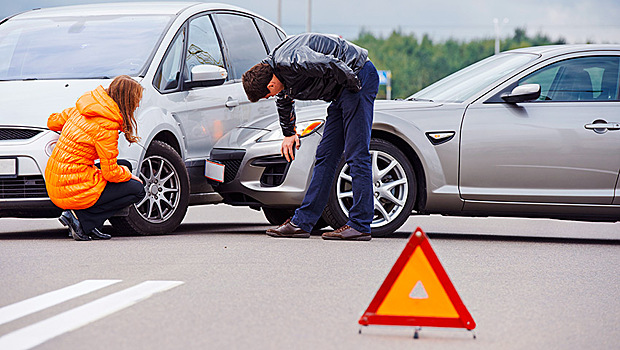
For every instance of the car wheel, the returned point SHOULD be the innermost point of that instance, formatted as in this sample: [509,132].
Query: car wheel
[277,216]
[167,194]
[394,185]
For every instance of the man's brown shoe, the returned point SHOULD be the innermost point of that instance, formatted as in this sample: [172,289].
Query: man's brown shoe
[287,230]
[347,233]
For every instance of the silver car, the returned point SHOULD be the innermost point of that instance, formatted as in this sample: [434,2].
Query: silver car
[530,132]
[189,57]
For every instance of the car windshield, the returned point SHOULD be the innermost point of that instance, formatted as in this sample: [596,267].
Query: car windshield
[78,47]
[465,83]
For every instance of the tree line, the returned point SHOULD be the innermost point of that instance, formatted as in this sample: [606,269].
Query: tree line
[416,64]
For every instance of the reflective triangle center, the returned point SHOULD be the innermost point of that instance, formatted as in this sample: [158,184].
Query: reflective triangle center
[427,297]
[418,292]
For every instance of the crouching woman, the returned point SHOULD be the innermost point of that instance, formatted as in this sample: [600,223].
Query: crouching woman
[89,131]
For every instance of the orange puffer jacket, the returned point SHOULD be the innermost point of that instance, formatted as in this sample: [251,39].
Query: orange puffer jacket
[89,132]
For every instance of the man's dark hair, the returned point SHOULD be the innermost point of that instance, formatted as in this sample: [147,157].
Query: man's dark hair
[255,81]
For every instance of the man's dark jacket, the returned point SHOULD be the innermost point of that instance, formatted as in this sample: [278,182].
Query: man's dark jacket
[313,67]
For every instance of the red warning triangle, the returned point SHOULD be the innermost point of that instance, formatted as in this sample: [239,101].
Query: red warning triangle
[418,292]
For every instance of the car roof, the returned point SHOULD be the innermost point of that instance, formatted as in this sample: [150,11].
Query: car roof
[124,8]
[553,50]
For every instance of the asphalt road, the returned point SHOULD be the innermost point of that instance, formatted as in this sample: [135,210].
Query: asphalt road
[220,283]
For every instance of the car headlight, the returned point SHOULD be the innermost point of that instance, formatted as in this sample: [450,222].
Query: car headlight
[307,128]
[49,148]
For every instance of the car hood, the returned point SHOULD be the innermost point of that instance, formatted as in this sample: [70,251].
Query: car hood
[387,105]
[29,103]
[269,121]
[319,111]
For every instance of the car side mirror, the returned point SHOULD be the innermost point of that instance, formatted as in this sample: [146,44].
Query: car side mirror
[522,93]
[207,75]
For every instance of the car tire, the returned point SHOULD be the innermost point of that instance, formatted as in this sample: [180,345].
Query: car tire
[393,203]
[166,183]
[277,216]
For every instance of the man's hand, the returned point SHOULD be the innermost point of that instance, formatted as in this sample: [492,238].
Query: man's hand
[287,147]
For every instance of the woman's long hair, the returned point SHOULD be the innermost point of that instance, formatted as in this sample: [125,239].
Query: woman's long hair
[127,94]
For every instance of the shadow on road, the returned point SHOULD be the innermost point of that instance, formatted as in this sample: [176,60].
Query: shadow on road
[508,238]
[221,228]
[249,228]
[38,234]
[259,229]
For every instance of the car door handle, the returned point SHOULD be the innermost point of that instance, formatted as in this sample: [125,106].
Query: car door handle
[232,103]
[608,126]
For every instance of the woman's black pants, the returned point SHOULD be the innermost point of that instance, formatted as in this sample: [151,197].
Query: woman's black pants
[115,196]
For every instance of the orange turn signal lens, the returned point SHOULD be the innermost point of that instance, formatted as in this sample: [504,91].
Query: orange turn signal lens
[310,128]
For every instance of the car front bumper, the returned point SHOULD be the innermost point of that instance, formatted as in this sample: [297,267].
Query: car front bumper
[257,175]
[23,193]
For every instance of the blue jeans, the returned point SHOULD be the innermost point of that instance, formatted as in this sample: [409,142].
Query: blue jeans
[347,129]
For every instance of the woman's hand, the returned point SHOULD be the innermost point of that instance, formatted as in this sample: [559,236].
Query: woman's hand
[136,178]
[287,147]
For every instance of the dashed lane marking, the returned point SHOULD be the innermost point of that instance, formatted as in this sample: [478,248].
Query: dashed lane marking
[40,332]
[29,306]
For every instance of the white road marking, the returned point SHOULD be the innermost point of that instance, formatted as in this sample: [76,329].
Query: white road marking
[29,306]
[35,334]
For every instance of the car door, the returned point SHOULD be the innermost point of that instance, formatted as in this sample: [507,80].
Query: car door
[203,113]
[547,151]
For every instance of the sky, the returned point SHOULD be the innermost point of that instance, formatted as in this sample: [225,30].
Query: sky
[596,21]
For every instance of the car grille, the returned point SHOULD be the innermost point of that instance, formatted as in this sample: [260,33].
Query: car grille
[18,134]
[275,171]
[231,168]
[231,158]
[23,187]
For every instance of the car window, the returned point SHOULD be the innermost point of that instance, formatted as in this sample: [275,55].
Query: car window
[270,33]
[281,34]
[203,46]
[473,79]
[579,79]
[79,47]
[169,72]
[244,45]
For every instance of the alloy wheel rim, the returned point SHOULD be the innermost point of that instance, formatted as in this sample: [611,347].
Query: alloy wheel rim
[390,188]
[162,186]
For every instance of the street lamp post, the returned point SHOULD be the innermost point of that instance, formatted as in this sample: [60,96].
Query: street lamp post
[498,28]
[309,17]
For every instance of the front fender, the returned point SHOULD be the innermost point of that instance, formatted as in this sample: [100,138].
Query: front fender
[439,162]
[151,123]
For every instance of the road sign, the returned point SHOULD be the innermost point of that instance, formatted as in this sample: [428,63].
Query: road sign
[418,292]
[385,78]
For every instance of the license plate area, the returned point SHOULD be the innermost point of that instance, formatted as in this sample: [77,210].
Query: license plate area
[8,167]
[214,170]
